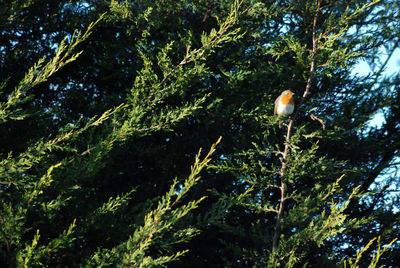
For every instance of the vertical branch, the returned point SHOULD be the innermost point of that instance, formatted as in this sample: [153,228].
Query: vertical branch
[282,187]
[313,53]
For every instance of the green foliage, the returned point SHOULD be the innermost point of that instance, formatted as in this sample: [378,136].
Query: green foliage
[100,127]
[28,194]
[40,72]
[353,262]
[161,220]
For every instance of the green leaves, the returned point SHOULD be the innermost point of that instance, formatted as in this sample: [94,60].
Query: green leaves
[40,72]
[158,222]
[354,262]
[95,165]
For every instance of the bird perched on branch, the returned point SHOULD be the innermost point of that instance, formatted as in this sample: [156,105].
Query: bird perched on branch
[284,104]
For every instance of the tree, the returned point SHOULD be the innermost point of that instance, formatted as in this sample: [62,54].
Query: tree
[300,204]
[37,194]
[97,144]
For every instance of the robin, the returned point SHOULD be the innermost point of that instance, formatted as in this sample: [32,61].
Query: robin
[284,104]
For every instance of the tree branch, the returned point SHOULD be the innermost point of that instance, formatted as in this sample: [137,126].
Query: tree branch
[284,160]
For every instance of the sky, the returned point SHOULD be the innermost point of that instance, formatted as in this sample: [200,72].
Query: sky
[393,66]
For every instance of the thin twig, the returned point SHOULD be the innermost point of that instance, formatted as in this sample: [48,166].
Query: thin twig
[313,117]
[271,186]
[7,182]
[325,228]
[270,210]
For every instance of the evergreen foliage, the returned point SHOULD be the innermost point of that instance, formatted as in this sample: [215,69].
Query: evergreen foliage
[104,105]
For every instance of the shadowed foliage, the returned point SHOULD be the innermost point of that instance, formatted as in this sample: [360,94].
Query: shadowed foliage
[104,106]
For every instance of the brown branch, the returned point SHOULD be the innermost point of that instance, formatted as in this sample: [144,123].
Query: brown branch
[313,53]
[284,160]
[272,152]
[154,127]
[279,217]
[292,197]
[7,182]
[271,186]
[270,210]
[313,117]
[325,228]
[81,155]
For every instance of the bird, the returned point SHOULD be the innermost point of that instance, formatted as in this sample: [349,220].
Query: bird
[284,104]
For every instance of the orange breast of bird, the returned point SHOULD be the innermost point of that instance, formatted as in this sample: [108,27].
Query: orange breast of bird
[287,99]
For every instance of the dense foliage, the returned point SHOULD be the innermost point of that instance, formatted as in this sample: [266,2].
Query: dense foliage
[104,106]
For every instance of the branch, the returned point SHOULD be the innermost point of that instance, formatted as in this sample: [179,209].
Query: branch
[313,117]
[290,127]
[270,210]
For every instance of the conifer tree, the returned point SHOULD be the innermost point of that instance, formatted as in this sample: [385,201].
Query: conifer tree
[294,185]
[105,104]
[52,201]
